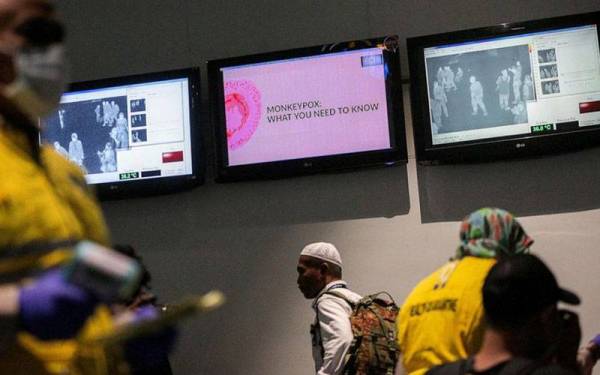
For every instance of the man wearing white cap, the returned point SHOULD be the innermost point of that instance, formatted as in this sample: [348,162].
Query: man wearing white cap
[320,277]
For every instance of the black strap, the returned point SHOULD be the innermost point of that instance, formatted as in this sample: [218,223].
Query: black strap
[35,248]
[341,296]
[465,365]
[460,367]
[336,286]
[18,121]
[521,366]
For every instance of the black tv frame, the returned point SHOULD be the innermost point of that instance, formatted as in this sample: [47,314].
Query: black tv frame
[507,147]
[159,185]
[286,168]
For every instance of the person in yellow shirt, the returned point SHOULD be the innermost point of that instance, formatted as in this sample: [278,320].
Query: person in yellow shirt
[442,318]
[526,331]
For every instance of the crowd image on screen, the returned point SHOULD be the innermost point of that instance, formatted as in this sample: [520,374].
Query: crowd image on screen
[108,159]
[76,150]
[550,87]
[480,89]
[548,71]
[90,132]
[138,105]
[546,56]
[138,120]
[139,136]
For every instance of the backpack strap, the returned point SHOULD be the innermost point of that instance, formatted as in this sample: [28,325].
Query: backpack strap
[336,293]
[350,356]
[332,292]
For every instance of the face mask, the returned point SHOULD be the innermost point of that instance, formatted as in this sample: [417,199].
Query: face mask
[41,80]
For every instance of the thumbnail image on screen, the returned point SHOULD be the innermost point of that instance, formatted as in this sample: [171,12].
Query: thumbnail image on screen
[513,85]
[124,132]
[306,107]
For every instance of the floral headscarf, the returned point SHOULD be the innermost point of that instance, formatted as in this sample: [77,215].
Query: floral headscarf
[489,232]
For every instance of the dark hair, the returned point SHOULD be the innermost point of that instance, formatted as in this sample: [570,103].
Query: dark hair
[8,16]
[335,270]
[518,288]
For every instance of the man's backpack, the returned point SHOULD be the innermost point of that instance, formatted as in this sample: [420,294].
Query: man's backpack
[374,349]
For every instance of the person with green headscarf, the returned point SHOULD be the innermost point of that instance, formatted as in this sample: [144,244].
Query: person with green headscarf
[441,320]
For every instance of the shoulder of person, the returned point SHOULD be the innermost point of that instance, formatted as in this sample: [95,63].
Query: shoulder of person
[553,369]
[340,296]
[59,163]
[453,368]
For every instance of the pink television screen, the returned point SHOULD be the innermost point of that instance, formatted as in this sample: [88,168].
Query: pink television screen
[326,107]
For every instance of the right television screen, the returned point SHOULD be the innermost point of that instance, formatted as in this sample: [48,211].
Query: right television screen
[509,90]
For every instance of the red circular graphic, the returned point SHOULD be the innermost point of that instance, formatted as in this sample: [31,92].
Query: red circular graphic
[242,112]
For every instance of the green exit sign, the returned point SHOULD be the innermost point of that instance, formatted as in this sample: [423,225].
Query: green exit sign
[129,175]
[545,128]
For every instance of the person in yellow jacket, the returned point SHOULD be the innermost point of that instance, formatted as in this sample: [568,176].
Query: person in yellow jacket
[442,320]
[40,211]
[45,205]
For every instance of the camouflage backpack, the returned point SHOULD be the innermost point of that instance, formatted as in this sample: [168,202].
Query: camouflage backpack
[374,349]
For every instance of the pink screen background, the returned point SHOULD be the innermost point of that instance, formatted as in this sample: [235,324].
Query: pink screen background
[335,81]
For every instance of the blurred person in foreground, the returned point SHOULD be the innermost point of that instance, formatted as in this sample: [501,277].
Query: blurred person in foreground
[442,318]
[526,333]
[45,205]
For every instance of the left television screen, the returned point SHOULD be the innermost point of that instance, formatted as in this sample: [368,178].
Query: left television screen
[132,135]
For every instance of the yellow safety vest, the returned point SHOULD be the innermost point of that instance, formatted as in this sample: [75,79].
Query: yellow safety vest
[441,320]
[40,205]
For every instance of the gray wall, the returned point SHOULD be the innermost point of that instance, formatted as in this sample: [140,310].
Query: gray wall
[393,225]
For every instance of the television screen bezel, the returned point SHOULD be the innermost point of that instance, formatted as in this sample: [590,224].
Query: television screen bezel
[159,185]
[519,146]
[309,165]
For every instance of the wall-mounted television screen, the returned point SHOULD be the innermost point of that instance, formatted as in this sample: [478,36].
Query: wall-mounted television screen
[133,135]
[311,109]
[511,90]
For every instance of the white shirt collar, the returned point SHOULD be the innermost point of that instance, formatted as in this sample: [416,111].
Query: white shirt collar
[326,288]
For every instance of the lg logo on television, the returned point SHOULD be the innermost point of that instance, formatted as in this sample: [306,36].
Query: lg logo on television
[520,145]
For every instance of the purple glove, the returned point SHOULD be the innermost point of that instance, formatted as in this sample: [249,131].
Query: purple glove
[53,309]
[594,348]
[153,349]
